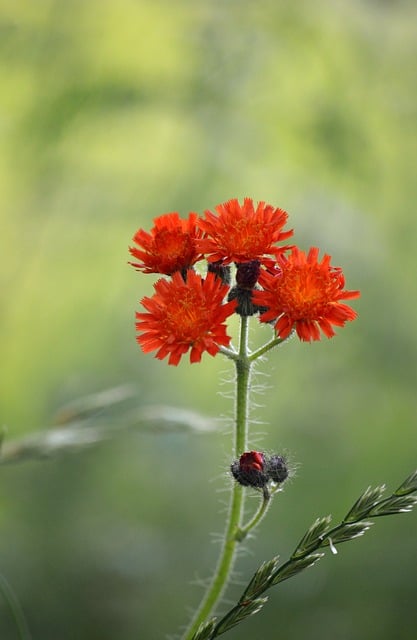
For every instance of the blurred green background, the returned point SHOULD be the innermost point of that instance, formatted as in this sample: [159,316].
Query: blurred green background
[113,112]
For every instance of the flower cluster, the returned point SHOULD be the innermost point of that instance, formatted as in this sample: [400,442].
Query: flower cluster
[285,286]
[256,469]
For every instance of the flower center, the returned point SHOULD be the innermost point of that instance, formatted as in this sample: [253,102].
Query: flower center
[171,244]
[187,317]
[305,292]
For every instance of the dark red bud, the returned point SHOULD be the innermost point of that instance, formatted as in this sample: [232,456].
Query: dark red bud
[247,274]
[254,469]
[249,469]
[252,460]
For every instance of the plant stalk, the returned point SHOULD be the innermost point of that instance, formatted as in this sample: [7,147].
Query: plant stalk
[231,536]
[258,516]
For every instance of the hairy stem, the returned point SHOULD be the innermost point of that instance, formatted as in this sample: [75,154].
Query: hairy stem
[232,532]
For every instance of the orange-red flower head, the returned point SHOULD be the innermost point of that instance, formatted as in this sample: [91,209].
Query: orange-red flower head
[183,315]
[169,247]
[304,294]
[241,232]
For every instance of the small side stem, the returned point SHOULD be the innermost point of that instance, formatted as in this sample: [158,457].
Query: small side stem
[229,353]
[232,532]
[257,517]
[268,346]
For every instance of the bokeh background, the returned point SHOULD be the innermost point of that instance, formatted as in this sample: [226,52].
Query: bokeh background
[113,112]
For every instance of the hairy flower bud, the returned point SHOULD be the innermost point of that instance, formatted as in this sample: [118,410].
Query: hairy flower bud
[277,469]
[255,469]
[249,469]
[247,273]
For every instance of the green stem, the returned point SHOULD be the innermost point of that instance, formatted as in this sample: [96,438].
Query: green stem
[231,536]
[15,608]
[243,370]
[274,342]
[230,353]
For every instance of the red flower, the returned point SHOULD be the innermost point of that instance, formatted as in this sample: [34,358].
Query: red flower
[304,294]
[185,315]
[169,247]
[241,233]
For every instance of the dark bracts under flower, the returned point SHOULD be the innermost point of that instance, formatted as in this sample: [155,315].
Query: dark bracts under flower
[244,298]
[220,270]
[304,294]
[185,315]
[169,247]
[247,274]
[241,232]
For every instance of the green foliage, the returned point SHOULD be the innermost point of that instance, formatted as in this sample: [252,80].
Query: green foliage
[205,631]
[315,533]
[362,505]
[238,614]
[294,566]
[318,536]
[409,486]
[260,580]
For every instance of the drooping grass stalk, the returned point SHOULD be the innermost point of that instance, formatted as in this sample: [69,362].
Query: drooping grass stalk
[15,608]
[232,535]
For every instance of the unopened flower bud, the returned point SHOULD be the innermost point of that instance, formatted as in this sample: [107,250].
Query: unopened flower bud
[249,470]
[276,469]
[247,274]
